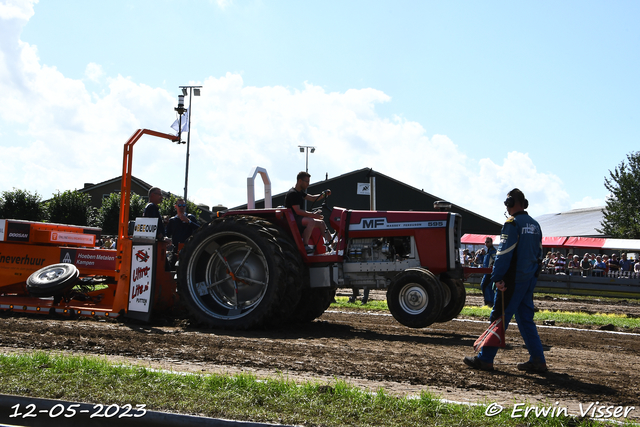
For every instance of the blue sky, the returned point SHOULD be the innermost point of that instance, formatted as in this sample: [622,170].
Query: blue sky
[465,100]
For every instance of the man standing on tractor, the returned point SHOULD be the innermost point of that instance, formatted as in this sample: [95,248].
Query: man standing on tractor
[305,219]
[515,273]
[153,211]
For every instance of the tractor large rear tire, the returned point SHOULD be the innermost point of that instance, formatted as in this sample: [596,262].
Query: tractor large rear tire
[233,274]
[415,298]
[313,302]
[294,278]
[454,304]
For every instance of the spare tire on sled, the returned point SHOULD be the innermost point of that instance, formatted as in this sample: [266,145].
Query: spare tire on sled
[53,280]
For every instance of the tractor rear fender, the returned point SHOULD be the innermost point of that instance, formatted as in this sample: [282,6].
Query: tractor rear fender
[284,218]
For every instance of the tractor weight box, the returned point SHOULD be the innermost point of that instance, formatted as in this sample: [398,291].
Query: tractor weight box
[41,233]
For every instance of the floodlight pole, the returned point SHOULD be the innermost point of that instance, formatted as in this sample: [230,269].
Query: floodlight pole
[305,148]
[186,169]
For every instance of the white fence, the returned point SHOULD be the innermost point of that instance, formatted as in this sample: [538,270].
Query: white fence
[613,284]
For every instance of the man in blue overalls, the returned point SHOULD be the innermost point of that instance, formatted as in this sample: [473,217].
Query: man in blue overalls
[515,273]
[487,285]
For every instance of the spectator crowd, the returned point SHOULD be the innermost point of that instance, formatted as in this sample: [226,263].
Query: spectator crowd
[591,264]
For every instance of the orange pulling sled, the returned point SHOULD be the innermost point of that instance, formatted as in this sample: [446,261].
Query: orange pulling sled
[65,256]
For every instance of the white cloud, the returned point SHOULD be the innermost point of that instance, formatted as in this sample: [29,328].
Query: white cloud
[243,127]
[66,138]
[223,4]
[69,136]
[94,72]
[544,191]
[20,10]
[588,202]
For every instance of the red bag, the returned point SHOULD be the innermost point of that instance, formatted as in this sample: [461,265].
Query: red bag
[492,337]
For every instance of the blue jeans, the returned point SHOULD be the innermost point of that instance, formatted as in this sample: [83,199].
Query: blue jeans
[486,286]
[520,305]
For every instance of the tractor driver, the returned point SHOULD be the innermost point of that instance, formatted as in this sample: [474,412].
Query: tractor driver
[308,220]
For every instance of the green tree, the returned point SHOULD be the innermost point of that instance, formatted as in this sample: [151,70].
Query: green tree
[71,207]
[622,215]
[168,208]
[109,213]
[20,204]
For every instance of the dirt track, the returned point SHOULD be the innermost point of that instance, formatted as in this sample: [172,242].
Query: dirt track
[369,350]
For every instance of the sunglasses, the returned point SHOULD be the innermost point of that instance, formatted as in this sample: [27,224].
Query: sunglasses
[182,205]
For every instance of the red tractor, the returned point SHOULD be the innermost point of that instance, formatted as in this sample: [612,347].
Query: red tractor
[249,268]
[246,269]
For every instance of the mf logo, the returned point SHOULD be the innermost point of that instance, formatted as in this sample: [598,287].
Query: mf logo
[373,223]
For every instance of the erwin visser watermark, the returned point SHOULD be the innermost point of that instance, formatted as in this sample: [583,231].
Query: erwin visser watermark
[592,410]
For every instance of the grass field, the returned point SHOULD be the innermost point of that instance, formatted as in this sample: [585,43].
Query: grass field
[239,397]
[244,397]
[560,318]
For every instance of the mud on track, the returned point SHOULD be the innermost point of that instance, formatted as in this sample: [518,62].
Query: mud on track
[367,350]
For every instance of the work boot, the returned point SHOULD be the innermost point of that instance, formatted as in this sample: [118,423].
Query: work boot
[538,367]
[476,363]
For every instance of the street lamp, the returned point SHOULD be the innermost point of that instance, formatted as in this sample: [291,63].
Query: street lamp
[195,91]
[306,148]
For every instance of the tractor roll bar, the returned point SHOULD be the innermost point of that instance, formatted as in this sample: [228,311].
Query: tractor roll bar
[251,198]
[125,189]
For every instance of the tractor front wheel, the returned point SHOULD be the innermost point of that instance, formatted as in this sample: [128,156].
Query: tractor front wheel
[453,305]
[415,298]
